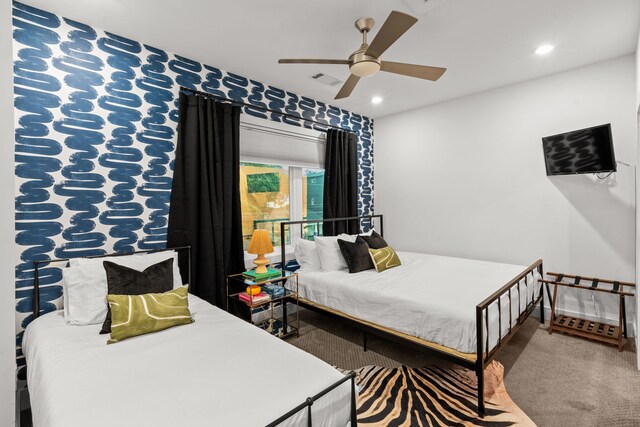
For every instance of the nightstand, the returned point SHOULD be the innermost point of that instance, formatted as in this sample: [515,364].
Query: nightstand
[272,315]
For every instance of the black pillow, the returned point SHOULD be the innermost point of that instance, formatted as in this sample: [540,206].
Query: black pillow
[356,254]
[121,280]
[375,241]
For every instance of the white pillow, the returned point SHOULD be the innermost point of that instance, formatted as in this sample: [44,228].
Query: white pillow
[306,254]
[85,284]
[330,255]
[85,296]
[137,262]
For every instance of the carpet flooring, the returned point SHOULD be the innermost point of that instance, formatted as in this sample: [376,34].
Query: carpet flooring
[557,380]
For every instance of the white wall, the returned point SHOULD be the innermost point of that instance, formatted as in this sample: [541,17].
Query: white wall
[467,178]
[637,191]
[7,293]
[638,74]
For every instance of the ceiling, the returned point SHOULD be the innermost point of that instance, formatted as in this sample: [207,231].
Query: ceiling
[484,44]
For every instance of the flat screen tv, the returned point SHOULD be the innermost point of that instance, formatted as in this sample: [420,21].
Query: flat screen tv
[580,151]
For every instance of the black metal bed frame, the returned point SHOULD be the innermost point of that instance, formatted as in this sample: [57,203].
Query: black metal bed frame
[309,401]
[483,358]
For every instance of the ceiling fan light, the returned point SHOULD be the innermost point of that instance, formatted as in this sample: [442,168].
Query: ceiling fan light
[365,68]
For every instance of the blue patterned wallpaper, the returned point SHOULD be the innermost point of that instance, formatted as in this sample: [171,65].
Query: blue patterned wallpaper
[96,118]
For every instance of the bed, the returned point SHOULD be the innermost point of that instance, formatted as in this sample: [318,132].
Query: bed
[203,373]
[442,304]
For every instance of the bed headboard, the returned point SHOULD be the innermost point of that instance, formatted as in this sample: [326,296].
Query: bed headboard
[363,222]
[183,251]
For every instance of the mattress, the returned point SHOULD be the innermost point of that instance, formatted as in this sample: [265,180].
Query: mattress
[430,297]
[217,371]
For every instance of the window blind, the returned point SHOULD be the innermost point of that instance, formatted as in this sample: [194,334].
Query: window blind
[267,141]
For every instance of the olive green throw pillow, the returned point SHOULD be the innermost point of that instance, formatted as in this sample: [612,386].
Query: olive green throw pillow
[384,258]
[133,315]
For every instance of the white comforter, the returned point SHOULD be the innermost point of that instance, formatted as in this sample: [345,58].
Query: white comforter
[217,371]
[429,296]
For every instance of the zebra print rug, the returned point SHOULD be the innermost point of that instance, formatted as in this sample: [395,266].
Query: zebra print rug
[434,396]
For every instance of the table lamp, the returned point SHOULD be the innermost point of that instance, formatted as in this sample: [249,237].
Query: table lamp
[260,244]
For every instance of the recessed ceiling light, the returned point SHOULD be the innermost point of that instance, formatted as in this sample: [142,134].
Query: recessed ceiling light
[376,100]
[544,49]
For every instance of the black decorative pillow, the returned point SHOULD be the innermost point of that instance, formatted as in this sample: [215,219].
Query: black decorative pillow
[375,241]
[356,254]
[121,280]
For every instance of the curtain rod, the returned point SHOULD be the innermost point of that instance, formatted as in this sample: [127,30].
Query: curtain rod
[291,116]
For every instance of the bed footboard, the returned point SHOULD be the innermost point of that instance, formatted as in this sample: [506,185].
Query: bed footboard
[308,403]
[485,353]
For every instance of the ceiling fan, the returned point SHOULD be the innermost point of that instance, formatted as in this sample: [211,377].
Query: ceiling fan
[367,60]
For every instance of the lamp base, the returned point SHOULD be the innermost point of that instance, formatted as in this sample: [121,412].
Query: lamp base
[261,264]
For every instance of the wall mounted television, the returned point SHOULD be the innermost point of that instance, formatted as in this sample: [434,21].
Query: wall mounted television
[581,151]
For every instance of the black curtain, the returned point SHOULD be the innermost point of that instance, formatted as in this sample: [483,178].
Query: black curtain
[205,198]
[340,182]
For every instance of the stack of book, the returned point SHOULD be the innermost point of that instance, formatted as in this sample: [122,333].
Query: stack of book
[255,277]
[261,297]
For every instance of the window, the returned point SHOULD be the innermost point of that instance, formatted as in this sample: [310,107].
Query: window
[272,193]
[312,199]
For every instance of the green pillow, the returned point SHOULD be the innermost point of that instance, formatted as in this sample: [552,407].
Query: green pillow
[384,258]
[133,315]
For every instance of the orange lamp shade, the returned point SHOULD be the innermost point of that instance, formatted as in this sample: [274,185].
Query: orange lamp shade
[260,243]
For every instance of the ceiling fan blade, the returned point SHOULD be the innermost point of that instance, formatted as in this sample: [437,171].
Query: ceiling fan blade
[348,86]
[412,70]
[393,28]
[313,61]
